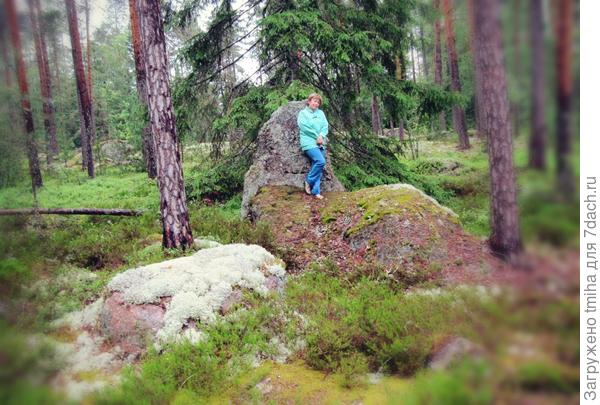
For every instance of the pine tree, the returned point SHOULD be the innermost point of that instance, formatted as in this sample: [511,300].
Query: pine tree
[505,239]
[32,153]
[41,54]
[85,101]
[458,113]
[177,232]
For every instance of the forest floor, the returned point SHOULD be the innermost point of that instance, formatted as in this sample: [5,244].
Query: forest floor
[355,341]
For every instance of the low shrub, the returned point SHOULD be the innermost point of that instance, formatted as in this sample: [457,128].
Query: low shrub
[468,383]
[393,330]
[546,377]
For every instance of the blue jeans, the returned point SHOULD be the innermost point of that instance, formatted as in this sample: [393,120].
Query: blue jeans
[313,178]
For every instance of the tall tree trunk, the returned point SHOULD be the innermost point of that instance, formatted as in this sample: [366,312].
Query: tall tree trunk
[412,58]
[505,239]
[32,154]
[89,81]
[481,133]
[82,89]
[375,115]
[56,57]
[177,232]
[6,59]
[537,141]
[423,51]
[458,114]
[564,90]
[140,76]
[515,106]
[438,60]
[45,80]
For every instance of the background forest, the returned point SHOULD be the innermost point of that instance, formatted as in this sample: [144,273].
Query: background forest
[403,92]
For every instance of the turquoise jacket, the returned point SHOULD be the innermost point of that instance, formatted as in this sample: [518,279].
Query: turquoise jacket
[312,124]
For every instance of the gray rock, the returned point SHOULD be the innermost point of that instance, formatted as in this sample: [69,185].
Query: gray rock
[452,351]
[279,161]
[117,152]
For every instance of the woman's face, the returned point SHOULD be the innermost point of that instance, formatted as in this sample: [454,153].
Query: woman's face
[314,103]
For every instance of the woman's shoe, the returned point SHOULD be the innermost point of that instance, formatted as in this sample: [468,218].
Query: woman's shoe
[307,188]
[319,197]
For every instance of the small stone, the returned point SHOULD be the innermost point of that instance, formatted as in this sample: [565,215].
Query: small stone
[452,351]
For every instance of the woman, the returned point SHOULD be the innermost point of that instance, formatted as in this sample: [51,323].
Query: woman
[313,139]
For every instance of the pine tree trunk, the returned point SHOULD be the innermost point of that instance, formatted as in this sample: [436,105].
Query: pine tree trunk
[537,142]
[45,80]
[4,49]
[458,114]
[564,89]
[481,133]
[32,154]
[412,58]
[515,107]
[423,51]
[89,81]
[375,116]
[177,232]
[82,89]
[505,239]
[438,60]
[140,76]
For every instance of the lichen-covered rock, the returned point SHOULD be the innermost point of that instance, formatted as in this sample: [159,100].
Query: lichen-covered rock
[397,228]
[160,302]
[278,159]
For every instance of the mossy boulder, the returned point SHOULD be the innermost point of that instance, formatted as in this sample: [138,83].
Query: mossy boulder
[396,229]
[278,159]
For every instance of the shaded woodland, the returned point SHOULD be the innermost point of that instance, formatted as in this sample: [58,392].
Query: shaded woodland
[152,110]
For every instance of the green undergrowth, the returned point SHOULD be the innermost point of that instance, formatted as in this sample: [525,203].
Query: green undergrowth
[371,325]
[469,382]
[546,216]
[27,364]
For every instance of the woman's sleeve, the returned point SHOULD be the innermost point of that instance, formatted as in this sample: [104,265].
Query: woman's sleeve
[325,126]
[304,125]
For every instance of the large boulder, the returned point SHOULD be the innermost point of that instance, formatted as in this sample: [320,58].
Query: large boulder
[278,160]
[396,229]
[163,301]
[116,152]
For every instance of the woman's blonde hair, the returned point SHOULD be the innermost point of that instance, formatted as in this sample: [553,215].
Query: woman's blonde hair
[314,95]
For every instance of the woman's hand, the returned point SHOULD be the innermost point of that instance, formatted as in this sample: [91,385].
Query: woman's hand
[320,140]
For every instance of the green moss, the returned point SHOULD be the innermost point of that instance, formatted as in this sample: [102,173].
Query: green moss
[377,202]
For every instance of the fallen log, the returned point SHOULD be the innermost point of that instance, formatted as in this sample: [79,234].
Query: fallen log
[71,211]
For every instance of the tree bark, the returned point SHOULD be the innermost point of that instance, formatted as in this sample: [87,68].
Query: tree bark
[32,154]
[140,77]
[375,116]
[438,60]
[82,88]
[177,232]
[71,211]
[515,107]
[481,133]
[45,80]
[458,114]
[90,84]
[412,58]
[537,141]
[4,49]
[505,239]
[564,90]
[423,51]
